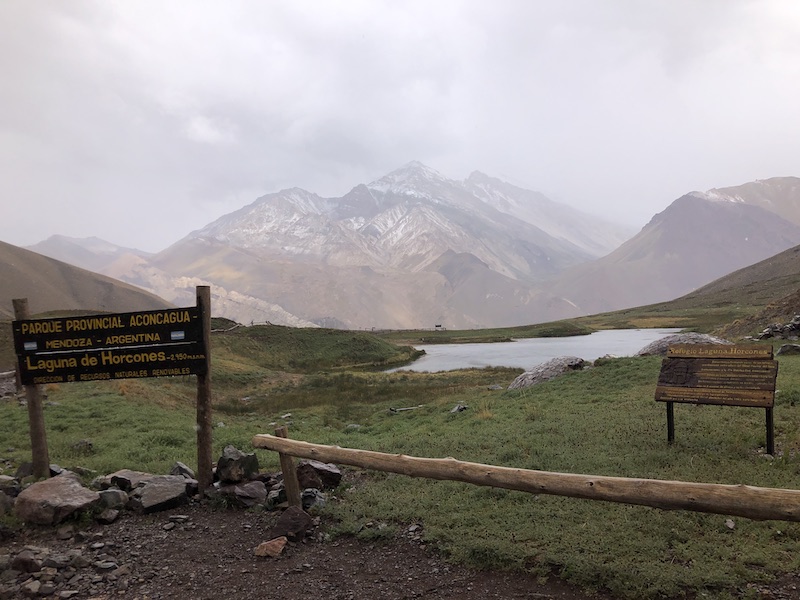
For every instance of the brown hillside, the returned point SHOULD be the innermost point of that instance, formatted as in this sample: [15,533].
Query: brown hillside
[780,311]
[692,242]
[52,285]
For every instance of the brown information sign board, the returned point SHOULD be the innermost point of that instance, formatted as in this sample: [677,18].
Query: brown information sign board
[725,381]
[113,346]
[742,375]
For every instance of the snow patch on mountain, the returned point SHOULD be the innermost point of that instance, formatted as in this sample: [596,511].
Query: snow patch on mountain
[717,196]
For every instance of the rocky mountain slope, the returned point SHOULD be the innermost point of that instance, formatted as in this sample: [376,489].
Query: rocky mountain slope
[413,249]
[385,254]
[697,239]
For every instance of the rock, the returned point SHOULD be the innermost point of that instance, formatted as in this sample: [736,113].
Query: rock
[235,466]
[47,589]
[272,548]
[83,447]
[9,486]
[790,330]
[789,349]
[247,494]
[458,408]
[51,501]
[327,474]
[108,516]
[126,480]
[31,588]
[294,523]
[6,504]
[26,562]
[659,347]
[312,497]
[276,496]
[162,492]
[181,469]
[113,498]
[24,470]
[548,370]
[65,532]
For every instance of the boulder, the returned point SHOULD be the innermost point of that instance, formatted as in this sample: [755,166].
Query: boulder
[113,498]
[659,347]
[247,494]
[319,475]
[181,469]
[548,370]
[161,492]
[51,501]
[235,466]
[788,349]
[294,523]
[126,480]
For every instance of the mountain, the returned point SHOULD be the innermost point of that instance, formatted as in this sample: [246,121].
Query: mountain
[52,285]
[406,220]
[384,254]
[414,248]
[780,195]
[697,239]
[756,285]
[592,234]
[90,253]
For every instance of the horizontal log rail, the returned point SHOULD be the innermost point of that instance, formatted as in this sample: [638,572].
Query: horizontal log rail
[739,500]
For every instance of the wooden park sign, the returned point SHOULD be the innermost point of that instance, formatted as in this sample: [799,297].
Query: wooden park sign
[742,375]
[118,346]
[157,343]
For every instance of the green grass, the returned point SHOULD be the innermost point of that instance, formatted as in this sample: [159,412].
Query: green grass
[601,421]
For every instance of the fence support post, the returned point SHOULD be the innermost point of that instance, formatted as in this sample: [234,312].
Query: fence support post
[289,473]
[204,430]
[40,455]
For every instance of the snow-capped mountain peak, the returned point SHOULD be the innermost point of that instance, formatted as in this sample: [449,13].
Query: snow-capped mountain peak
[409,180]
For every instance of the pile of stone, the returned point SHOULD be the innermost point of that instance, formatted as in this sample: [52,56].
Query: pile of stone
[38,572]
[41,572]
[785,331]
[238,482]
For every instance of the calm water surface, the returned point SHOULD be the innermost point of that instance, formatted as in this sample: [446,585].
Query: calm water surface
[529,352]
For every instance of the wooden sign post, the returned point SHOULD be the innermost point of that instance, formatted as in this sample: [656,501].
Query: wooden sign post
[40,455]
[104,347]
[715,374]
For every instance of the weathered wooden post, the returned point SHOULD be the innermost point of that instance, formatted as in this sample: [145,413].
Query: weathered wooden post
[289,473]
[40,454]
[204,430]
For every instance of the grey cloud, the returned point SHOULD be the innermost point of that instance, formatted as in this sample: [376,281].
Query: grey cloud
[114,111]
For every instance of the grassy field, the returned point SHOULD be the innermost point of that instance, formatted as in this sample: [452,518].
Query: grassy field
[601,421]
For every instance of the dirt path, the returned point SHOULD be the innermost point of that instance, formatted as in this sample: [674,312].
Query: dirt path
[211,555]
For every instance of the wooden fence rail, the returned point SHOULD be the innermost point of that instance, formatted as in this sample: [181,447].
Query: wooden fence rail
[739,500]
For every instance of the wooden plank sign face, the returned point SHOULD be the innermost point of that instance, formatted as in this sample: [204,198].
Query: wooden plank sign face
[726,375]
[745,351]
[110,346]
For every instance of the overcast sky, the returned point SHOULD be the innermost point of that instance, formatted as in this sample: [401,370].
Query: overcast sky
[140,121]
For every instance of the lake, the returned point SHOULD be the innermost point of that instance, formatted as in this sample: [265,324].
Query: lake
[529,352]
